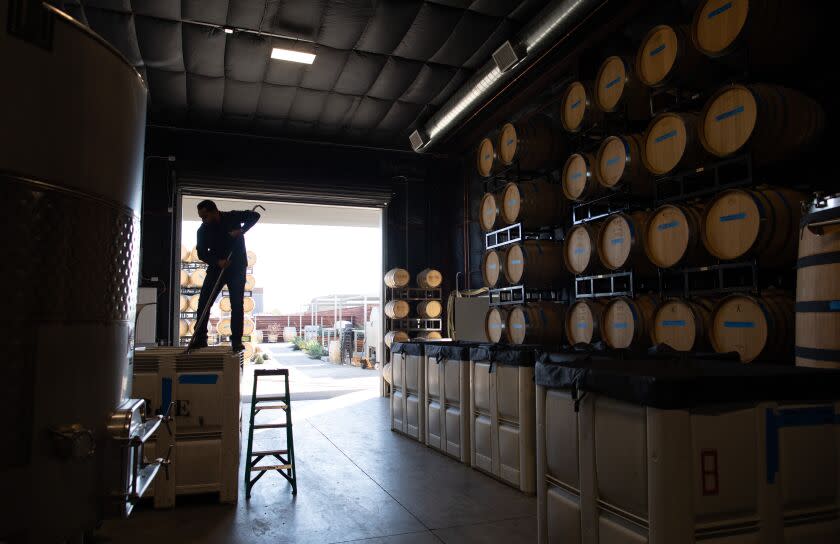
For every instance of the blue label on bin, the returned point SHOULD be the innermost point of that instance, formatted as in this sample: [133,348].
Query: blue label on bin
[667,136]
[668,225]
[612,160]
[729,113]
[616,241]
[581,325]
[518,326]
[576,103]
[579,250]
[715,12]
[510,142]
[620,325]
[576,175]
[834,305]
[673,323]
[613,82]
[512,202]
[739,324]
[516,261]
[655,51]
[732,217]
[492,267]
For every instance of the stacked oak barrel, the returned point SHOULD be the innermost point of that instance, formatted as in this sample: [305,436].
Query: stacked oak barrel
[413,305]
[669,158]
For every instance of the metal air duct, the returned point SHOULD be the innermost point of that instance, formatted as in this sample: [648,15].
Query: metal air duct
[551,23]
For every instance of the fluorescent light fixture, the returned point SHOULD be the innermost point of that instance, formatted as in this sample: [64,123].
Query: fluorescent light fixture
[228,30]
[292,56]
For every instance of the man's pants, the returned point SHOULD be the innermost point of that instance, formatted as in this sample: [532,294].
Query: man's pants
[234,277]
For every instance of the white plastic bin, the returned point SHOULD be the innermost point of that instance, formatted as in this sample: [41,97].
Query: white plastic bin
[447,399]
[502,409]
[408,385]
[699,453]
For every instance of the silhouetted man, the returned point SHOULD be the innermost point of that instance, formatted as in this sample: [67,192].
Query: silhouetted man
[222,234]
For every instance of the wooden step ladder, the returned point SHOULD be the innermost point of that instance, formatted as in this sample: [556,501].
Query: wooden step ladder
[285,458]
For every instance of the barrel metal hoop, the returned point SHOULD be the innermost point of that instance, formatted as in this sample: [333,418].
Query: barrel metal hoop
[831,257]
[818,354]
[818,306]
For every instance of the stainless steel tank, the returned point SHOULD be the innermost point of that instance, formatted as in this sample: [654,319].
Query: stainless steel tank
[72,120]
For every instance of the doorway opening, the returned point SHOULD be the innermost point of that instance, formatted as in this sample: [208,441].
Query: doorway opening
[312,294]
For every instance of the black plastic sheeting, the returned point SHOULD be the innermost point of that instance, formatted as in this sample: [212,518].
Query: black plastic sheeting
[507,355]
[379,67]
[450,351]
[408,348]
[671,383]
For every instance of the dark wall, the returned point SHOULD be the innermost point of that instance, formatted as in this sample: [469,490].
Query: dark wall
[422,194]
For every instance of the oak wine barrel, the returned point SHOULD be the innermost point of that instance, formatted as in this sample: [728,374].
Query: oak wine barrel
[185,254]
[224,304]
[535,204]
[536,323]
[682,324]
[489,214]
[580,253]
[184,303]
[532,143]
[193,304]
[248,326]
[183,327]
[818,285]
[577,109]
[248,304]
[185,278]
[485,158]
[775,33]
[626,322]
[619,164]
[495,325]
[193,258]
[761,223]
[671,143]
[534,263]
[491,267]
[672,235]
[772,122]
[223,327]
[429,309]
[617,89]
[397,309]
[197,277]
[250,282]
[430,335]
[251,258]
[621,243]
[583,322]
[397,278]
[580,178]
[395,336]
[667,57]
[429,278]
[758,328]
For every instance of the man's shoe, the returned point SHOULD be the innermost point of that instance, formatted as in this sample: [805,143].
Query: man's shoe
[199,344]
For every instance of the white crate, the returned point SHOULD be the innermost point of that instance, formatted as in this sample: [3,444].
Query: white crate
[622,473]
[447,400]
[408,385]
[502,410]
[207,419]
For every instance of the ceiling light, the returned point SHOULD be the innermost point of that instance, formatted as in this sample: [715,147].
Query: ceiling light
[292,56]
[228,30]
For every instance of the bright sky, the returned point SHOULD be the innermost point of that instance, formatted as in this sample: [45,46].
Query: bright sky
[296,263]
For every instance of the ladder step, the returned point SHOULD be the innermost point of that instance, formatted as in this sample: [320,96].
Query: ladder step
[271,467]
[270,398]
[269,452]
[271,407]
[270,426]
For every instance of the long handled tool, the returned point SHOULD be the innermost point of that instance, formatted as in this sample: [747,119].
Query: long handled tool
[205,313]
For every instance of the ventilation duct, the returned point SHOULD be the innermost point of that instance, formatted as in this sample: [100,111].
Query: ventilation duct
[553,22]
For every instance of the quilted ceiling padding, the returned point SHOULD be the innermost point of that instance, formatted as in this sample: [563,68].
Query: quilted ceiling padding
[381,66]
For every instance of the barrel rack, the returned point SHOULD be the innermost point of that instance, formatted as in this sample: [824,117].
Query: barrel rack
[520,294]
[706,180]
[414,324]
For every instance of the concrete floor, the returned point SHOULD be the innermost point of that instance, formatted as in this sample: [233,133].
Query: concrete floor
[357,481]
